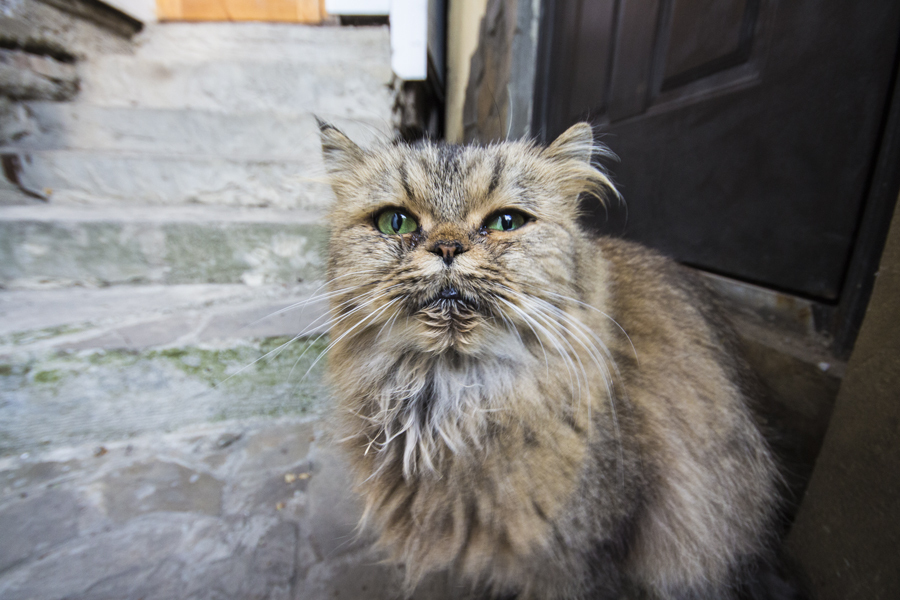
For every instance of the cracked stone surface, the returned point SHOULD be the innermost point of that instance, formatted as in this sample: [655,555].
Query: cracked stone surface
[240,509]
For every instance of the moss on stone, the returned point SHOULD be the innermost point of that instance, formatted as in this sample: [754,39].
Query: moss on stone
[156,390]
[49,376]
[36,335]
[272,361]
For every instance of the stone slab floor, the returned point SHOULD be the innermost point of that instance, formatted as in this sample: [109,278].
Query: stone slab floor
[256,508]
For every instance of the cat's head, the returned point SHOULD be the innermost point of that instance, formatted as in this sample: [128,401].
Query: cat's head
[439,248]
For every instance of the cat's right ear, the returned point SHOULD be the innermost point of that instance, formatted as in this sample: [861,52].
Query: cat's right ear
[339,151]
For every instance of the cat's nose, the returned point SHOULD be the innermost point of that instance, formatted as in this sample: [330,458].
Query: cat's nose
[447,250]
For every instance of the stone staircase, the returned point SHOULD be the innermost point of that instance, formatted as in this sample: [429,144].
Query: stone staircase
[184,203]
[212,114]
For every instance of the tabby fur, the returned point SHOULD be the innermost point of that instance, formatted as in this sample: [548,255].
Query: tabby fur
[572,423]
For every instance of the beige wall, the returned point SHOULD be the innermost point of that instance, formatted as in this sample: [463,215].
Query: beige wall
[463,23]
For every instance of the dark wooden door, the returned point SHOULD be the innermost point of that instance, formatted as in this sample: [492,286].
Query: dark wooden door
[747,129]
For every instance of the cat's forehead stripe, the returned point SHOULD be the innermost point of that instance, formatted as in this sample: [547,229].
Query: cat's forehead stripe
[449,158]
[430,175]
[404,182]
[495,176]
[449,181]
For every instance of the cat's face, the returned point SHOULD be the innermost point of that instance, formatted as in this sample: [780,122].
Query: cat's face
[440,248]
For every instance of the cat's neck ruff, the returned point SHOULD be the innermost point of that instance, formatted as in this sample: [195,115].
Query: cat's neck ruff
[431,403]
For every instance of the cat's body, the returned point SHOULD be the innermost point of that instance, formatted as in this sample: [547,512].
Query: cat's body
[542,413]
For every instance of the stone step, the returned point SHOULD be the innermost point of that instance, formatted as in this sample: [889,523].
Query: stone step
[332,71]
[75,396]
[108,177]
[274,42]
[156,357]
[333,90]
[58,246]
[253,137]
[218,114]
[142,317]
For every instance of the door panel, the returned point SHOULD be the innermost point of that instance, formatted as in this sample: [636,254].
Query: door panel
[632,58]
[746,129]
[707,36]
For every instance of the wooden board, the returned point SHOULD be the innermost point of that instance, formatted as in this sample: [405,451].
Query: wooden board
[287,11]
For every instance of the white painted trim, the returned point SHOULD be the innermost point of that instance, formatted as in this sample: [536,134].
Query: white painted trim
[409,39]
[358,7]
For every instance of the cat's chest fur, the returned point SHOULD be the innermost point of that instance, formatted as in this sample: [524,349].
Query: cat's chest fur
[478,470]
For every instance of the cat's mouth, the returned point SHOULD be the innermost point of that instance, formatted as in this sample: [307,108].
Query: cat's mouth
[449,297]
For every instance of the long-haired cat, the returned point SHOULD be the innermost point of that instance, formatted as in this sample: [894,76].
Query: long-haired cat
[540,412]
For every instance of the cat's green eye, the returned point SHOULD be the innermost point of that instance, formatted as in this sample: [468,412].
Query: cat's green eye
[395,222]
[506,221]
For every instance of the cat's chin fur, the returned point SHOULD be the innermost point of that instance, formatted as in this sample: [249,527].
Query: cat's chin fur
[568,421]
[450,326]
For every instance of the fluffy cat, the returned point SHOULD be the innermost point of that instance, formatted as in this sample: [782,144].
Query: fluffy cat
[543,413]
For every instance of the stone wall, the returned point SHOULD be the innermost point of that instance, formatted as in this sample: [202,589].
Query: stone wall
[499,95]
[40,43]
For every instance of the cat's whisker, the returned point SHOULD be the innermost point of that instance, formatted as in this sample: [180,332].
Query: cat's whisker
[584,334]
[263,357]
[518,335]
[302,304]
[580,326]
[389,321]
[528,321]
[315,296]
[590,334]
[560,330]
[581,329]
[570,366]
[276,351]
[330,325]
[598,359]
[335,322]
[364,320]
[588,306]
[511,326]
[393,320]
[605,359]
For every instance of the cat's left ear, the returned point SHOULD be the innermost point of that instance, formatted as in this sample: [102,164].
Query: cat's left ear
[339,151]
[575,143]
[573,151]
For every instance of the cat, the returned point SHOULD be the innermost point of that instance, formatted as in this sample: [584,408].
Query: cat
[539,411]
